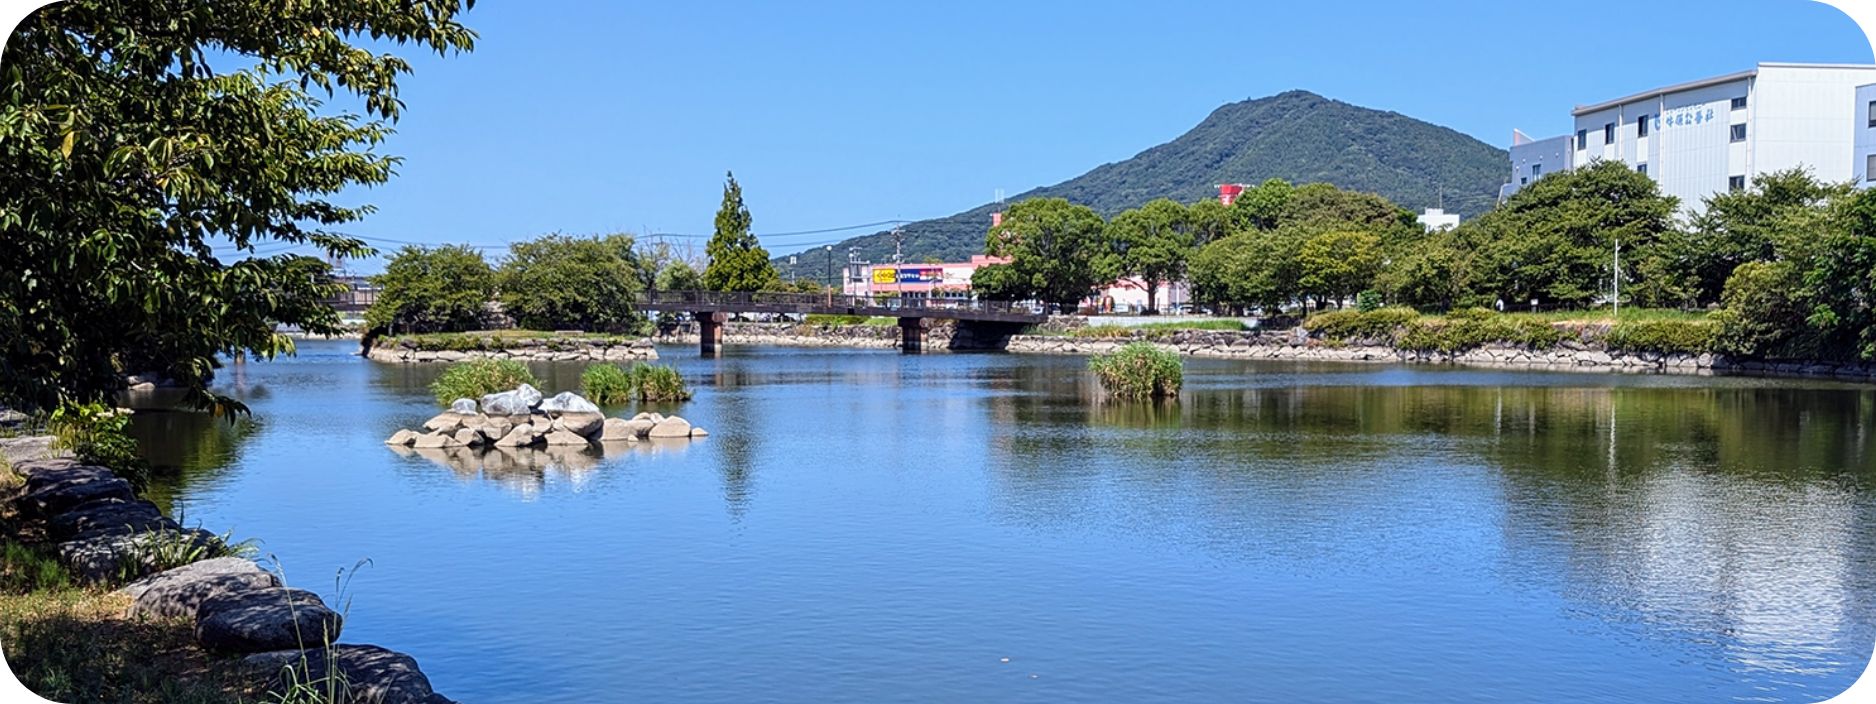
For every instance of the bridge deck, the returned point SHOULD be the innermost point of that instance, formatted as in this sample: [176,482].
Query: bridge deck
[836,304]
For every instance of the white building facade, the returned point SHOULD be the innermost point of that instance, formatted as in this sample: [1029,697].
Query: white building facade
[1717,134]
[1865,161]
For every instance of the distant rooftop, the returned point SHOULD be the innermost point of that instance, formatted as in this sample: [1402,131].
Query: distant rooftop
[1582,110]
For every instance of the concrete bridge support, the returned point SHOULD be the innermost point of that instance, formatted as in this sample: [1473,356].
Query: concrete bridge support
[912,334]
[710,332]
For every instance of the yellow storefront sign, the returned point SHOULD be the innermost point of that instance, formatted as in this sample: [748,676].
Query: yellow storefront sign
[885,276]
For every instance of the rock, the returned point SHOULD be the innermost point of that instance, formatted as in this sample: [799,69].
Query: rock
[520,436]
[108,517]
[581,423]
[565,438]
[653,418]
[463,406]
[176,593]
[373,674]
[696,432]
[496,427]
[259,620]
[402,438]
[671,427]
[30,448]
[470,437]
[433,441]
[640,427]
[617,429]
[446,422]
[568,402]
[51,492]
[115,556]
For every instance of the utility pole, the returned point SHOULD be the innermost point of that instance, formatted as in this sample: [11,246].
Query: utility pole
[1618,280]
[898,242]
[829,249]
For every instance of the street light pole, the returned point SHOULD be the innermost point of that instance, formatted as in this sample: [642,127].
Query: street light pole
[829,249]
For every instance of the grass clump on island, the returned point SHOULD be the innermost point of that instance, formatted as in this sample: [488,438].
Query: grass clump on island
[830,319]
[612,384]
[1139,371]
[480,377]
[1460,330]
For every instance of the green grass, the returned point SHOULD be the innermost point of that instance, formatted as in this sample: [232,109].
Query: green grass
[1606,316]
[1226,325]
[1667,336]
[1139,371]
[73,645]
[829,319]
[477,378]
[612,384]
[491,340]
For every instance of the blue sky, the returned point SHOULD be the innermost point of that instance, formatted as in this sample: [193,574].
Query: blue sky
[590,117]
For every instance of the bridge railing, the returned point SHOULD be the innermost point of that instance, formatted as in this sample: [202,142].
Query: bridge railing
[818,302]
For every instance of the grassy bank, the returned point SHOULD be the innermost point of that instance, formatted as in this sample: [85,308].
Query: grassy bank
[825,319]
[503,339]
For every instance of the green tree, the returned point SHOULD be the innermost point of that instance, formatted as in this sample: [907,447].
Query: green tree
[1428,277]
[1056,249]
[1553,240]
[1152,243]
[1252,269]
[1742,226]
[441,289]
[558,282]
[1334,266]
[1264,206]
[677,275]
[737,260]
[147,150]
[1211,221]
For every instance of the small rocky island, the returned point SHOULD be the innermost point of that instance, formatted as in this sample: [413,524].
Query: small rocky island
[524,417]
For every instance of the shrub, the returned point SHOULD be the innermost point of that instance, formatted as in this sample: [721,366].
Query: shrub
[656,382]
[1356,325]
[826,319]
[1139,371]
[1664,336]
[1227,325]
[99,434]
[1367,301]
[480,377]
[1101,332]
[1467,332]
[606,384]
[612,384]
[1474,313]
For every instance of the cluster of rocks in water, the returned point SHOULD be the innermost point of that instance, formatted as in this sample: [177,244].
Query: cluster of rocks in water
[525,418]
[105,533]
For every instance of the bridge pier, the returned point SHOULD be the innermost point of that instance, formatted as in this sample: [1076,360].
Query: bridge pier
[912,334]
[710,331]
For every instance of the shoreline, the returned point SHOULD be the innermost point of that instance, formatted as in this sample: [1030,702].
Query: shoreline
[1296,345]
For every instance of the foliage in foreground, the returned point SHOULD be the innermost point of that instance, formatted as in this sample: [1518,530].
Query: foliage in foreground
[1139,371]
[138,139]
[613,384]
[480,377]
[100,435]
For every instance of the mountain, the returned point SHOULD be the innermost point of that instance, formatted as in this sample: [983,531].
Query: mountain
[1297,136]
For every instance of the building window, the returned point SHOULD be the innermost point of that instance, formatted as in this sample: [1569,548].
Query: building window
[1869,168]
[1582,136]
[1641,169]
[1739,103]
[1641,126]
[1736,183]
[1524,181]
[1608,133]
[1537,170]
[1739,133]
[1872,113]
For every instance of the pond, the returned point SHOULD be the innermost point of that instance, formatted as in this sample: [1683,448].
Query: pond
[866,526]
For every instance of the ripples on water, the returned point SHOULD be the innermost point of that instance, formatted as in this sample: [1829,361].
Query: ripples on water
[865,526]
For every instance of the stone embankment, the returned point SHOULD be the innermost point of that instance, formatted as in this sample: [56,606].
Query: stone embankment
[525,418]
[1298,345]
[551,349]
[883,337]
[105,534]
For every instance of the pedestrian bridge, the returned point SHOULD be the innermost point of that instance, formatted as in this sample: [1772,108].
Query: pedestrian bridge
[713,308]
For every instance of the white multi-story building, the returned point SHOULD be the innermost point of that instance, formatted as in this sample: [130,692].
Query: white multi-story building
[1716,134]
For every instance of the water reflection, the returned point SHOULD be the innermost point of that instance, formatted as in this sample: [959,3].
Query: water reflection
[525,471]
[1727,519]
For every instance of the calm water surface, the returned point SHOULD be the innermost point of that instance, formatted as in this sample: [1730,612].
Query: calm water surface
[863,526]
